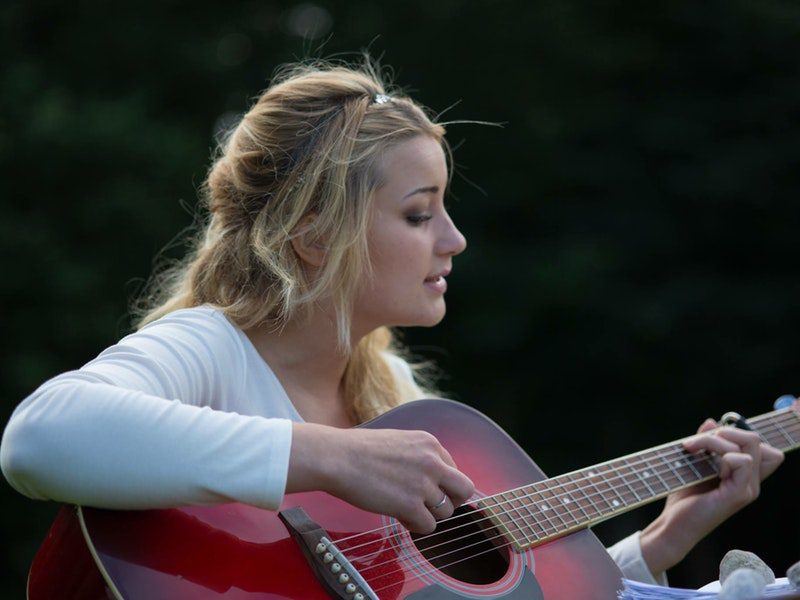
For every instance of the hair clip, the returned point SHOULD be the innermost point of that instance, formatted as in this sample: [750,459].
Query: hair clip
[382,99]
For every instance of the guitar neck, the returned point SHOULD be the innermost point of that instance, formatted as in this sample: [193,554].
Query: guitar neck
[550,508]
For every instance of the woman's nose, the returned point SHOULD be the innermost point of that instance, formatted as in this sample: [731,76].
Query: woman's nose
[452,241]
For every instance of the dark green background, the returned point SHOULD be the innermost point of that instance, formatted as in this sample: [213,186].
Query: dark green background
[632,260]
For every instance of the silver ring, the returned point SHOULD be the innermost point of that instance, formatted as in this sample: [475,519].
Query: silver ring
[440,504]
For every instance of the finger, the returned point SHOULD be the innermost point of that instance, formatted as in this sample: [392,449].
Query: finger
[745,439]
[442,507]
[419,521]
[446,457]
[771,459]
[736,469]
[710,443]
[707,425]
[457,486]
[750,443]
[436,499]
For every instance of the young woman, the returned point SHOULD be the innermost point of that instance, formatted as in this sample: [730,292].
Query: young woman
[327,226]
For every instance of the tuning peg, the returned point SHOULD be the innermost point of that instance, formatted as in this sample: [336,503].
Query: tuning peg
[784,401]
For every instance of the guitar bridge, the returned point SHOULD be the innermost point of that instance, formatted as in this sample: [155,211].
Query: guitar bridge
[334,572]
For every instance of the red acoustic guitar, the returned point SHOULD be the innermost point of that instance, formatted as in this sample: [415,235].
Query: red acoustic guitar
[521,536]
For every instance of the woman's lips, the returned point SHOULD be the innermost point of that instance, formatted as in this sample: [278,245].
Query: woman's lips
[437,283]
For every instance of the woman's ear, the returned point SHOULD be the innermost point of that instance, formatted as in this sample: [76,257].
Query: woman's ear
[306,243]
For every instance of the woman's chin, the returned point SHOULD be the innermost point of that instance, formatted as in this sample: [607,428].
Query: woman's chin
[432,319]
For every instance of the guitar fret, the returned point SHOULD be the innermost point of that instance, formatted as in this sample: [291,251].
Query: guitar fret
[774,438]
[672,464]
[672,478]
[641,476]
[657,481]
[706,466]
[656,470]
[565,499]
[554,506]
[536,526]
[558,509]
[584,499]
[612,485]
[515,504]
[544,509]
[783,432]
[633,481]
[596,481]
[630,472]
[531,519]
[690,462]
[569,497]
[776,424]
[502,518]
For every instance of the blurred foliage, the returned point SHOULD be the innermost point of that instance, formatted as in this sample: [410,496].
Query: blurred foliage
[632,228]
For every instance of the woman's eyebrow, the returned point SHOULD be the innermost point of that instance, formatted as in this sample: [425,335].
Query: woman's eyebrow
[433,189]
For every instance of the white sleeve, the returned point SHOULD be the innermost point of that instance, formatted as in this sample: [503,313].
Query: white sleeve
[627,553]
[134,428]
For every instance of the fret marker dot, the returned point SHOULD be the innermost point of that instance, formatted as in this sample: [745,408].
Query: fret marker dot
[646,473]
[545,507]
[678,463]
[592,473]
[567,500]
[615,502]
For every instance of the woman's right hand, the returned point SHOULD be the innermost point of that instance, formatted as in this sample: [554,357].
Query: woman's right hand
[393,472]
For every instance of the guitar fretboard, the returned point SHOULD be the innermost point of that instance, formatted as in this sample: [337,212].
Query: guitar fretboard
[550,508]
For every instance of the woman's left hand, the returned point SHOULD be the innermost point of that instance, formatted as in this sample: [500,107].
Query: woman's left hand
[690,514]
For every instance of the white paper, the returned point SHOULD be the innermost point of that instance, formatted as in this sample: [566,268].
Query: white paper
[635,590]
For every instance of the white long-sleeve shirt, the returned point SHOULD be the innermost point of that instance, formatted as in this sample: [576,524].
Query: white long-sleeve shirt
[184,411]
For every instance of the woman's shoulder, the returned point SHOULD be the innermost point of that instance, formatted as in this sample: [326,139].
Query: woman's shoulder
[199,324]
[201,337]
[194,354]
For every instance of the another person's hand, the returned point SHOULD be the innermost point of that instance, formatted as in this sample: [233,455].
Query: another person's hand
[403,474]
[744,461]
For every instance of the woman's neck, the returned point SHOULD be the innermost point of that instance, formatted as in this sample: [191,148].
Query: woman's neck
[305,357]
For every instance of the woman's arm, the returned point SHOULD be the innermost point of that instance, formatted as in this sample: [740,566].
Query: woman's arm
[140,426]
[109,435]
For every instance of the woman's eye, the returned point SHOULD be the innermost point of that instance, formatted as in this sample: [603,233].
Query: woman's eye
[418,219]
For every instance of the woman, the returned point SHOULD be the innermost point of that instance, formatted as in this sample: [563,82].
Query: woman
[257,354]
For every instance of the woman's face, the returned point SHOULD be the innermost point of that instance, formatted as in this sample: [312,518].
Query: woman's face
[411,239]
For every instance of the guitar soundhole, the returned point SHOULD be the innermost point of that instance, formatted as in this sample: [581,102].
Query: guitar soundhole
[465,548]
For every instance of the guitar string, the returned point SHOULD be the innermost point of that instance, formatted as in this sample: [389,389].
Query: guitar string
[435,569]
[555,528]
[548,530]
[639,483]
[674,452]
[508,512]
[440,556]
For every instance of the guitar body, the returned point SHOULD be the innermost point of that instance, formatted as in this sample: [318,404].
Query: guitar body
[236,551]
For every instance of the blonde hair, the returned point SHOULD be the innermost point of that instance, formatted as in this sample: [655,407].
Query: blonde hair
[310,145]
